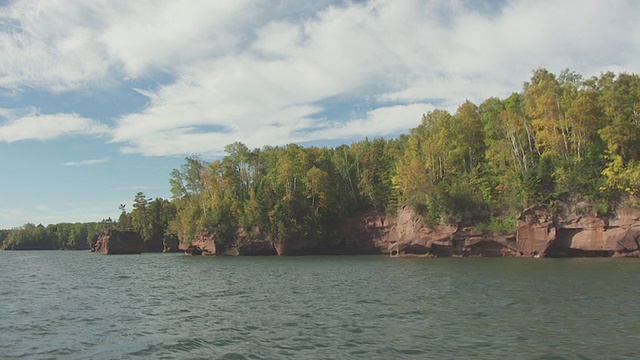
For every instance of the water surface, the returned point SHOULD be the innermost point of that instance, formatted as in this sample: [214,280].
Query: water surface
[57,304]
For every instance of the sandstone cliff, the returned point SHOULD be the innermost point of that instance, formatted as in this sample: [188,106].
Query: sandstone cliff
[118,242]
[154,244]
[565,233]
[203,244]
[408,236]
[248,242]
[170,243]
[540,233]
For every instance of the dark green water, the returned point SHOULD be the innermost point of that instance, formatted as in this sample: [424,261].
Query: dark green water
[56,304]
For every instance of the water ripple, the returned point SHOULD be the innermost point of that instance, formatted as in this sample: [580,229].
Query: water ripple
[166,306]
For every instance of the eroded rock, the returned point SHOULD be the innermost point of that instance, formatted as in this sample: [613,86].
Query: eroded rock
[170,243]
[248,242]
[118,242]
[410,237]
[535,232]
[577,235]
[203,244]
[364,233]
[569,230]
[155,244]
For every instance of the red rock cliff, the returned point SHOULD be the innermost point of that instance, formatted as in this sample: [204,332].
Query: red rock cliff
[203,244]
[408,236]
[539,233]
[568,234]
[118,242]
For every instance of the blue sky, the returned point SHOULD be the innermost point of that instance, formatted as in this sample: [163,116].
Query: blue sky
[101,99]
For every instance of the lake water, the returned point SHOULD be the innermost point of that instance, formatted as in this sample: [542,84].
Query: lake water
[57,304]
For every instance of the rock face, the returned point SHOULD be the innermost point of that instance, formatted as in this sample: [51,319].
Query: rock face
[409,237]
[364,233]
[297,247]
[154,244]
[248,242]
[250,247]
[203,244]
[535,232]
[118,242]
[170,244]
[368,232]
[540,233]
[567,234]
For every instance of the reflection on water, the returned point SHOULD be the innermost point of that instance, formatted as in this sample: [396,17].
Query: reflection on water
[82,305]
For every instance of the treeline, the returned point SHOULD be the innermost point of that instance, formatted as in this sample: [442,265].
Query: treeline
[149,217]
[561,137]
[76,236]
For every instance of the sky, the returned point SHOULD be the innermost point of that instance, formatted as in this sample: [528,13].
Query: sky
[101,99]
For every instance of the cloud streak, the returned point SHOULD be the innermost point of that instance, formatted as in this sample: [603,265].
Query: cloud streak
[263,74]
[49,127]
[102,160]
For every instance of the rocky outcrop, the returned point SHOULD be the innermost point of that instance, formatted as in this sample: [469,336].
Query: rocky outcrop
[536,232]
[565,233]
[154,244]
[118,242]
[170,243]
[249,247]
[368,232]
[364,233]
[409,237]
[203,244]
[540,232]
[298,247]
[248,242]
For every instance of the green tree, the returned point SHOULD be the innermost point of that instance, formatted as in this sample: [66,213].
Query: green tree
[620,101]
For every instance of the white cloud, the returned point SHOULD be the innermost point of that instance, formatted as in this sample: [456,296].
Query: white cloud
[51,46]
[379,122]
[62,45]
[171,34]
[399,52]
[271,72]
[102,160]
[8,113]
[48,127]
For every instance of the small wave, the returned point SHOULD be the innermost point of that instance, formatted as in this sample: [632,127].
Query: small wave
[233,356]
[180,348]
[57,353]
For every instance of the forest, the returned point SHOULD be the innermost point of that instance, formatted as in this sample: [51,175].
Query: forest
[561,137]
